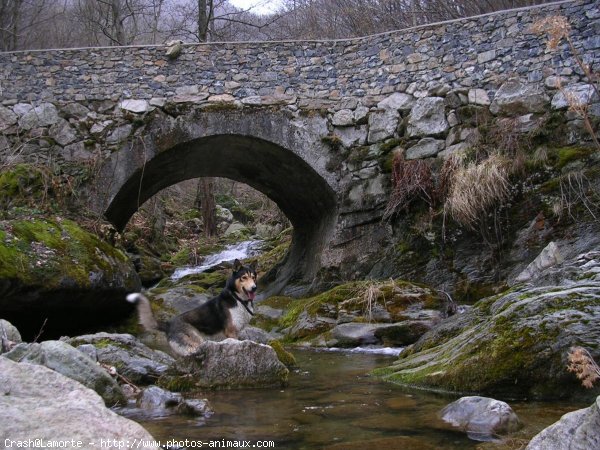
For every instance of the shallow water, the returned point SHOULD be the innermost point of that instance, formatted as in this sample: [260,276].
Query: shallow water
[332,403]
[240,250]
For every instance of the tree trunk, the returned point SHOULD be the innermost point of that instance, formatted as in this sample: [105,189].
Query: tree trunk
[205,199]
[118,22]
[202,20]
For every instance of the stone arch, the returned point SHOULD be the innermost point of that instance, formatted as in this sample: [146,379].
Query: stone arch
[265,150]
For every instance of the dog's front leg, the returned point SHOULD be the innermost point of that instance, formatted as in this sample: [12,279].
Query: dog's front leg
[231,332]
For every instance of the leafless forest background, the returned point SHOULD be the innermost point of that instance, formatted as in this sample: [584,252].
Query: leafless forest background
[36,24]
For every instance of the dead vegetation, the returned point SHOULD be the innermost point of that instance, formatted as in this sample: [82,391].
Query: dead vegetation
[582,364]
[477,188]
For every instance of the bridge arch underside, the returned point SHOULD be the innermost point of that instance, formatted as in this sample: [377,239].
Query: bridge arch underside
[300,192]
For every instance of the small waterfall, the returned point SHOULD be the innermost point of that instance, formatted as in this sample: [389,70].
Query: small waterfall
[240,250]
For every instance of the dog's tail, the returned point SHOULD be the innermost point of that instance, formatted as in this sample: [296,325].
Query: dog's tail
[145,316]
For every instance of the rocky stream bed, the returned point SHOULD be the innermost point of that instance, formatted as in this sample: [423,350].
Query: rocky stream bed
[512,346]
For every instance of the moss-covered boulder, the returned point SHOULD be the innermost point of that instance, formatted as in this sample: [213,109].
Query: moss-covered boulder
[51,268]
[150,270]
[404,309]
[513,344]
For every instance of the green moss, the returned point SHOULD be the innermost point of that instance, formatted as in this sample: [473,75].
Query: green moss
[333,141]
[359,154]
[177,383]
[218,107]
[181,258]
[278,302]
[192,213]
[390,145]
[205,280]
[562,156]
[21,185]
[55,253]
[283,355]
[468,292]
[386,162]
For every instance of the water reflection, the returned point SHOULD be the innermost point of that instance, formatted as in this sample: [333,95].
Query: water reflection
[331,403]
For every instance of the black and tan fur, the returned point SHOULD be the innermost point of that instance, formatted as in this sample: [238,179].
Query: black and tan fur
[222,316]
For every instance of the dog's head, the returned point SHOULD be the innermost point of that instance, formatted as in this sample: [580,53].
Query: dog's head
[244,277]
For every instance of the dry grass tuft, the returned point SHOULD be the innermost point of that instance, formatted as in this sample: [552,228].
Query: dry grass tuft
[477,188]
[557,28]
[576,190]
[583,366]
[411,179]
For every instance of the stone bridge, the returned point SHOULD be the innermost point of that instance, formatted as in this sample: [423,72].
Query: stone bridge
[313,125]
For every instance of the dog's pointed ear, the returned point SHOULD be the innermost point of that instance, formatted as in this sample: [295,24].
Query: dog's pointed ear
[254,266]
[237,265]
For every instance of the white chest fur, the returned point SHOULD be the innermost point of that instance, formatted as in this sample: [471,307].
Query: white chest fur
[240,317]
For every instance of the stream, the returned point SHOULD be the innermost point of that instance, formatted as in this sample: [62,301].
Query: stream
[240,250]
[332,403]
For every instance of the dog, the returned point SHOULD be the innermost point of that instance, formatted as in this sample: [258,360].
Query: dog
[223,316]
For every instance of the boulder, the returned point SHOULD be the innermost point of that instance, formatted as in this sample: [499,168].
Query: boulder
[427,117]
[478,97]
[39,116]
[119,134]
[257,335]
[7,118]
[134,360]
[62,133]
[234,364]
[398,101]
[425,148]
[549,256]
[515,343]
[351,136]
[36,402]
[397,313]
[577,430]
[343,118]
[236,229]
[404,333]
[382,125]
[355,334]
[361,114]
[66,360]
[154,397]
[482,418]
[309,325]
[149,268]
[9,336]
[158,402]
[223,214]
[49,266]
[135,106]
[515,98]
[76,110]
[578,94]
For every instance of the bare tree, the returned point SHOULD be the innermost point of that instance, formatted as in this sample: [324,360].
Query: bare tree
[21,20]
[313,19]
